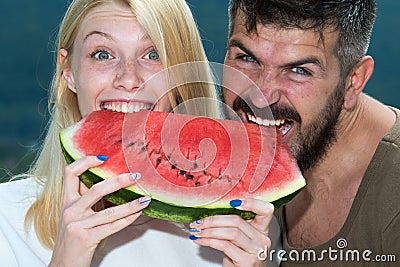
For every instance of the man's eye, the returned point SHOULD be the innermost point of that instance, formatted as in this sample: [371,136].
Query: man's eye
[152,55]
[248,58]
[101,55]
[300,71]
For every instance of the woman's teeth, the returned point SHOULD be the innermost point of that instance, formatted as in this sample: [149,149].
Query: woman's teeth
[126,107]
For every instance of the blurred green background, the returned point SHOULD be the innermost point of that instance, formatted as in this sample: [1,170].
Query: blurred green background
[28,33]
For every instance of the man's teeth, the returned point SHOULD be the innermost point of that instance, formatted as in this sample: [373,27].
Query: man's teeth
[265,122]
[127,107]
[282,125]
[284,129]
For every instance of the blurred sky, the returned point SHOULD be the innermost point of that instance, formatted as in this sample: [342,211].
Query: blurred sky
[27,35]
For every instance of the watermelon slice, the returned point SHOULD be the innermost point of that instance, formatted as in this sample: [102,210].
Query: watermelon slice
[191,166]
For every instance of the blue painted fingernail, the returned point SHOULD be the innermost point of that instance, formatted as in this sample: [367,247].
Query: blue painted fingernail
[135,176]
[235,203]
[192,237]
[194,230]
[195,223]
[144,200]
[102,158]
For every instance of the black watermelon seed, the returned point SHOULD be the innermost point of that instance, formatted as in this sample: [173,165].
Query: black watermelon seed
[197,184]
[204,172]
[131,144]
[173,166]
[189,176]
[158,162]
[181,172]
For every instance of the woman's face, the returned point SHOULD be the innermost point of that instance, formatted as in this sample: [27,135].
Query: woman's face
[113,64]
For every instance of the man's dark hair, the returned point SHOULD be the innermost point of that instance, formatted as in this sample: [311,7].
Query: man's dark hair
[353,19]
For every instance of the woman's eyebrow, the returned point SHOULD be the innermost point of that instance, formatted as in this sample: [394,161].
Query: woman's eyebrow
[144,37]
[106,35]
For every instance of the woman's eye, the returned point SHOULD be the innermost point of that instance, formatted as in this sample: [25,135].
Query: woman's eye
[101,55]
[301,71]
[152,55]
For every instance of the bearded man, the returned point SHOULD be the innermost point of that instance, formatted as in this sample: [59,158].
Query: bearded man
[308,65]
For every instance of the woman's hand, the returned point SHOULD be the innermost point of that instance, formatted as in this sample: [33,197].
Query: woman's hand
[245,243]
[81,229]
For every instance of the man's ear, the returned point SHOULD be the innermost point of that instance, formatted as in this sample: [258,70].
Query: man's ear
[66,72]
[357,80]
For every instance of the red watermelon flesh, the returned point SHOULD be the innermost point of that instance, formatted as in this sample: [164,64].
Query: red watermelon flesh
[186,161]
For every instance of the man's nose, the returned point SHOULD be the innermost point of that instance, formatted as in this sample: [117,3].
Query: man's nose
[266,91]
[129,76]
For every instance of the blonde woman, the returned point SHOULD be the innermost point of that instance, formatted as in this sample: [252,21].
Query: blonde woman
[109,51]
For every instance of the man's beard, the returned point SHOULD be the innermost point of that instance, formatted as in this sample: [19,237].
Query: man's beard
[311,144]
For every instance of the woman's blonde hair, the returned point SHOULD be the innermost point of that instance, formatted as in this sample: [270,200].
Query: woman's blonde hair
[171,27]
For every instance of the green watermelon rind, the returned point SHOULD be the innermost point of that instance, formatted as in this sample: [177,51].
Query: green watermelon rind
[161,210]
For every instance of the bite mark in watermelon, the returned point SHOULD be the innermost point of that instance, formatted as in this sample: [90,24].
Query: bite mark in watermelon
[191,166]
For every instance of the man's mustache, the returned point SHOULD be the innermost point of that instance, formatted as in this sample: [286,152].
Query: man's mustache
[271,112]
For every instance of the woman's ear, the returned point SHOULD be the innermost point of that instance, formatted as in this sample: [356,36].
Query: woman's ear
[358,78]
[66,69]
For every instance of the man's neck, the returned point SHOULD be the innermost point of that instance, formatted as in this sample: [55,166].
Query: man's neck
[319,211]
[359,133]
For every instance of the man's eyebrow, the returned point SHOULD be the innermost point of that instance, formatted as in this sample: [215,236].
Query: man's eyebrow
[307,60]
[236,43]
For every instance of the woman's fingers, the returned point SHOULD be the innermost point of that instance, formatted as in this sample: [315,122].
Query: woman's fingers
[112,214]
[72,173]
[235,236]
[234,253]
[81,228]
[263,210]
[241,241]
[82,188]
[212,227]
[109,228]
[260,223]
[103,188]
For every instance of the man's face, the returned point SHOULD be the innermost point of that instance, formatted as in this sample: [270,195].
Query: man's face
[294,84]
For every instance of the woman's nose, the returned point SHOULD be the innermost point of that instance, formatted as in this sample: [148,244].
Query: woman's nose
[128,76]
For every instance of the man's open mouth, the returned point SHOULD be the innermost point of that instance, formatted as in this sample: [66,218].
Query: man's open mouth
[282,125]
[281,117]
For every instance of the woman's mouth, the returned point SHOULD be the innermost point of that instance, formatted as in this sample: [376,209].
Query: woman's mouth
[125,107]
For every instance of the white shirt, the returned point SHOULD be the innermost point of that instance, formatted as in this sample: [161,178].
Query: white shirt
[147,242]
